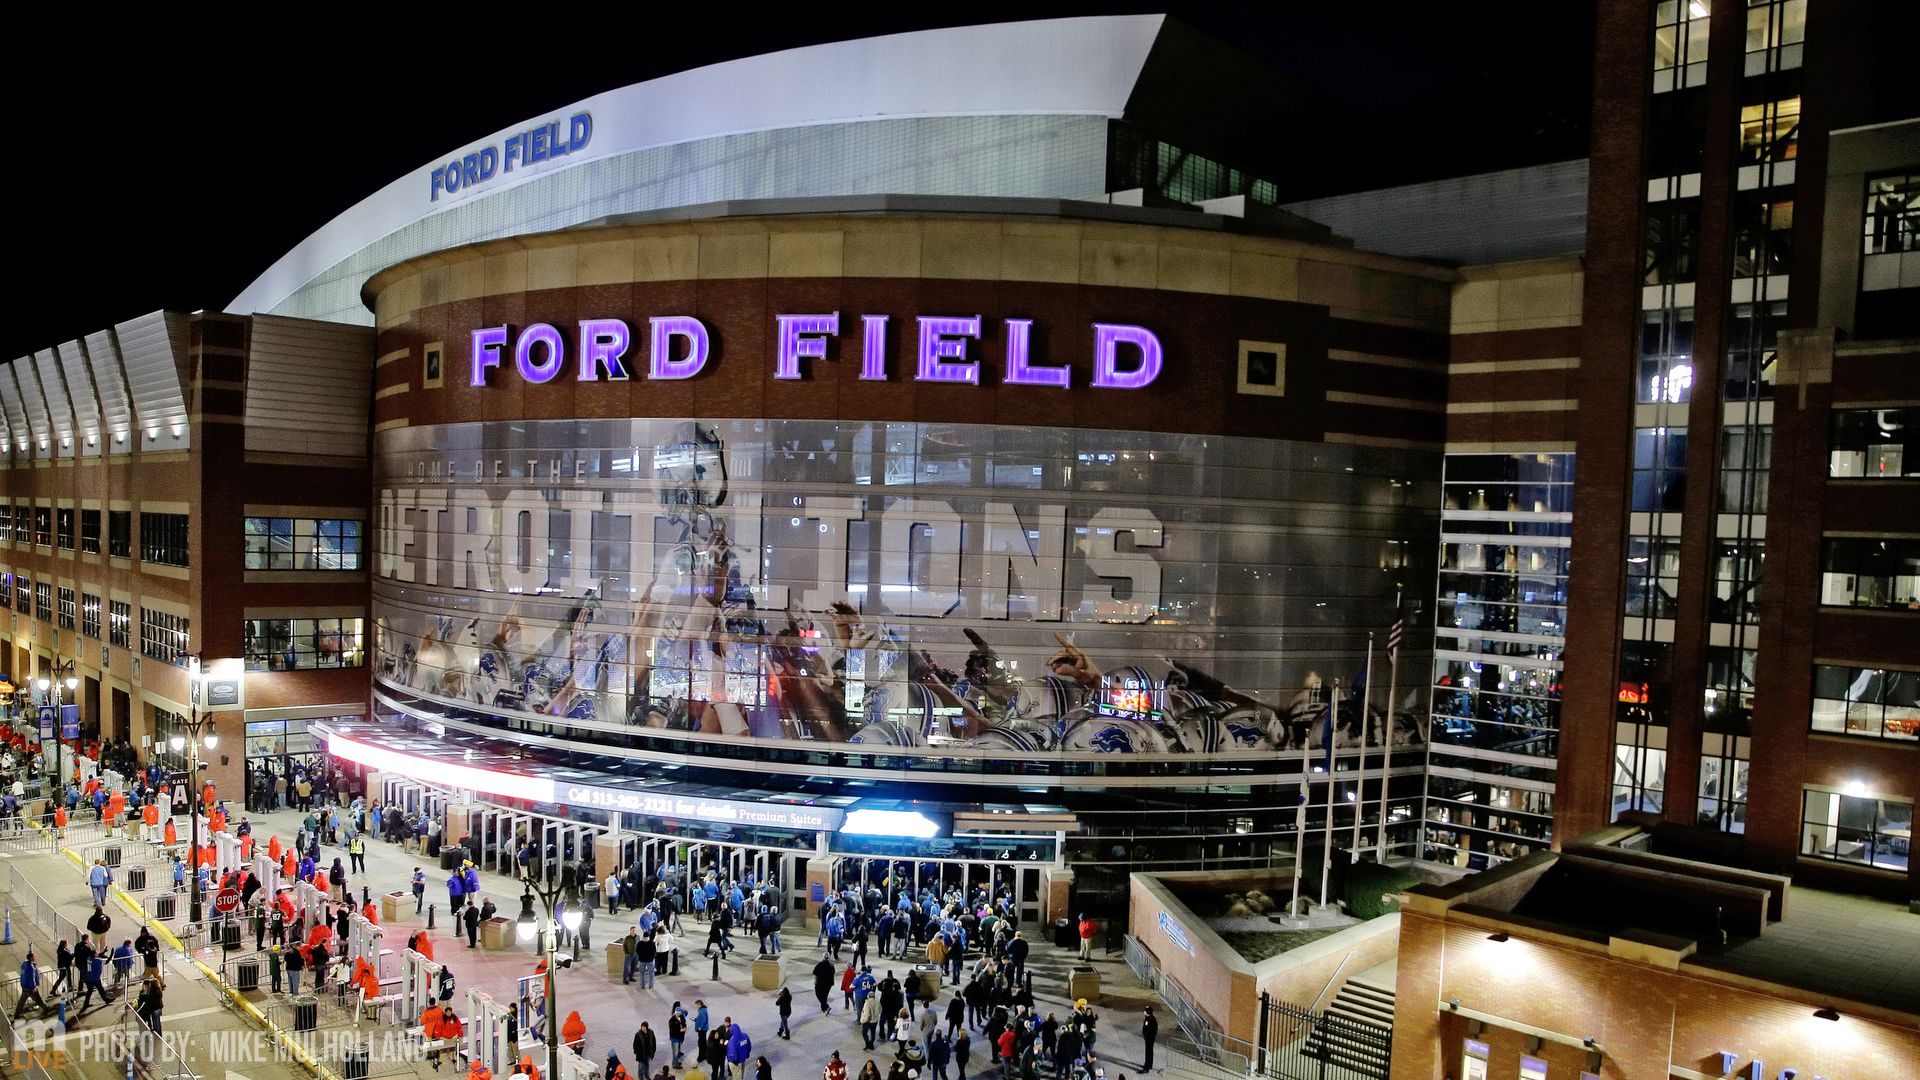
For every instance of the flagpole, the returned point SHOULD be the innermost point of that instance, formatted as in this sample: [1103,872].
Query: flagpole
[1360,769]
[1300,821]
[1326,840]
[1386,729]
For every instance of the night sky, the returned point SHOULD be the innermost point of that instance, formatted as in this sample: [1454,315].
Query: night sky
[168,165]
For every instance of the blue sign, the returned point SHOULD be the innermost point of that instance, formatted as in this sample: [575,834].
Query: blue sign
[69,721]
[46,721]
[528,147]
[1176,933]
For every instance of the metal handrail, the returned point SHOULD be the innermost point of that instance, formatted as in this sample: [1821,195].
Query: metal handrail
[1315,1007]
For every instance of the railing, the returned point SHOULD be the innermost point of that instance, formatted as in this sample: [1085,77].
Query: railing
[41,910]
[18,1042]
[153,1056]
[1317,998]
[1141,961]
[1300,1044]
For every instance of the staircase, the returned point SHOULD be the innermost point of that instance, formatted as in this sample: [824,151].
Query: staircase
[1356,1031]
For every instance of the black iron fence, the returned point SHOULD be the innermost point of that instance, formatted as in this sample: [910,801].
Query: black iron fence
[1300,1044]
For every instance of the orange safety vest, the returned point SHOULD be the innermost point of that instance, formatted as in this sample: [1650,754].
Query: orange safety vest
[207,855]
[479,1071]
[150,814]
[59,817]
[430,1023]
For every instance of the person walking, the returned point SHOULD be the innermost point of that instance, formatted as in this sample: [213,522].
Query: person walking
[472,918]
[644,1047]
[962,1050]
[63,965]
[1017,957]
[938,1053]
[929,1028]
[739,1049]
[419,889]
[357,852]
[92,966]
[763,1069]
[823,973]
[869,1019]
[98,926]
[98,878]
[29,986]
[836,1069]
[956,1012]
[150,1002]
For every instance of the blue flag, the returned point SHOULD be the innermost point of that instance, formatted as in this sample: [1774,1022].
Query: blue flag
[1326,732]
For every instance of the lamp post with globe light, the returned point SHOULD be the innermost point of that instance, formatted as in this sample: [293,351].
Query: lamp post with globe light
[527,927]
[191,743]
[51,686]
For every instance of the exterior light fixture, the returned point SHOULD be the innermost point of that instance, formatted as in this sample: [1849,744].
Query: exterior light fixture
[528,923]
[1828,1013]
[1501,936]
[178,742]
[1856,787]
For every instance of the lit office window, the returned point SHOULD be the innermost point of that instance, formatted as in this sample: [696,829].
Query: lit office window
[303,543]
[63,527]
[1753,332]
[90,615]
[1857,829]
[1659,469]
[43,525]
[1724,772]
[1679,44]
[1640,771]
[43,600]
[297,644]
[1762,235]
[6,590]
[1872,444]
[1738,566]
[6,523]
[119,624]
[1770,131]
[1773,24]
[90,531]
[1877,703]
[69,609]
[23,594]
[1666,356]
[163,637]
[1893,214]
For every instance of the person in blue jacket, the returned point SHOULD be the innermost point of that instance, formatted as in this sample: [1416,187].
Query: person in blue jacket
[456,890]
[29,986]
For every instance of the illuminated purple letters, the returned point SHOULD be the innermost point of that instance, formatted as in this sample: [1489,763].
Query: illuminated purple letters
[602,343]
[800,335]
[873,359]
[487,343]
[662,363]
[1107,339]
[545,370]
[1019,369]
[945,337]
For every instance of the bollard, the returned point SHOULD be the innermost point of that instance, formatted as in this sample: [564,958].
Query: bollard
[716,967]
[6,938]
[429,916]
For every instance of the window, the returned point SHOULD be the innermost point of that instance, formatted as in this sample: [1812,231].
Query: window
[163,637]
[1653,576]
[1646,683]
[43,600]
[1677,134]
[23,594]
[1770,131]
[1762,235]
[90,615]
[1672,233]
[1723,782]
[163,538]
[1772,24]
[1640,770]
[1737,569]
[6,523]
[1679,44]
[1857,829]
[1659,469]
[303,543]
[90,531]
[120,533]
[63,519]
[1745,451]
[1893,214]
[295,644]
[6,590]
[43,525]
[1871,444]
[1870,572]
[119,624]
[68,609]
[1666,356]
[1753,332]
[1878,703]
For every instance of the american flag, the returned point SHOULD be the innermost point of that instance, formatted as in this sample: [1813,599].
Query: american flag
[1393,638]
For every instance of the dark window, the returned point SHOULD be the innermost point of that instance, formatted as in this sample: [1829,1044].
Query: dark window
[303,543]
[1872,444]
[163,538]
[90,615]
[43,600]
[163,637]
[119,624]
[1869,572]
[1762,235]
[1263,368]
[6,590]
[1672,233]
[1677,133]
[1653,576]
[68,609]
[120,533]
[291,644]
[63,521]
[90,531]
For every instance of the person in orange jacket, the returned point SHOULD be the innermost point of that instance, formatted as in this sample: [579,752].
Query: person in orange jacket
[289,866]
[59,817]
[273,848]
[285,903]
[574,1032]
[171,835]
[527,1066]
[371,913]
[320,882]
[321,934]
[479,1071]
[246,847]
[422,946]
[217,821]
[207,796]
[208,856]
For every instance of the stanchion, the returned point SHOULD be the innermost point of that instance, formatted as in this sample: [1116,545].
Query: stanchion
[6,938]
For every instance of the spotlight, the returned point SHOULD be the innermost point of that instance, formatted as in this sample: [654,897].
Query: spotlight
[1828,1013]
[1453,1003]
[1501,936]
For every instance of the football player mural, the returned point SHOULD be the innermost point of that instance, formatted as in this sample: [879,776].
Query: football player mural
[687,616]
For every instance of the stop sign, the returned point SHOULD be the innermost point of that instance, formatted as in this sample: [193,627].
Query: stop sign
[226,901]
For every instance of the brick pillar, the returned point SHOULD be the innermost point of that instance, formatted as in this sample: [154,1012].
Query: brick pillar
[1056,886]
[819,883]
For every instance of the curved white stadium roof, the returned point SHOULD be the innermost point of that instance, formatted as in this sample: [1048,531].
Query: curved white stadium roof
[1084,67]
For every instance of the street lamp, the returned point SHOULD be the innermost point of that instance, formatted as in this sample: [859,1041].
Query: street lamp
[52,686]
[191,743]
[526,928]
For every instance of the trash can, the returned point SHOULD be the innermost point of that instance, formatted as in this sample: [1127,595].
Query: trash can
[306,1012]
[451,857]
[136,879]
[166,906]
[354,1065]
[112,854]
[246,975]
[1064,934]
[230,935]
